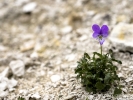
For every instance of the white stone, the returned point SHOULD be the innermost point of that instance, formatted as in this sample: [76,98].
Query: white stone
[39,48]
[46,97]
[73,75]
[91,13]
[24,92]
[73,66]
[82,38]
[3,85]
[122,37]
[27,61]
[36,96]
[66,29]
[55,84]
[12,83]
[120,75]
[2,48]
[91,97]
[4,73]
[50,72]
[33,89]
[29,7]
[27,46]
[17,67]
[69,97]
[70,57]
[55,78]
[64,66]
[129,79]
[42,73]
[20,2]
[124,89]
[131,67]
[34,56]
[3,94]
[64,83]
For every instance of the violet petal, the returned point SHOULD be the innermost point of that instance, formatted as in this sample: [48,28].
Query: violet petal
[101,41]
[96,28]
[95,35]
[104,30]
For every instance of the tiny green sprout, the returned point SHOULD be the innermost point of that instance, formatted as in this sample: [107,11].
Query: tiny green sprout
[98,73]
[20,98]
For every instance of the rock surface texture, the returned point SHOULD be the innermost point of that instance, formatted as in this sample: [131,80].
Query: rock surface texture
[122,37]
[42,40]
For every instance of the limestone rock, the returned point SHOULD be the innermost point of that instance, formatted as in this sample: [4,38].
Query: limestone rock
[39,48]
[3,85]
[6,84]
[70,57]
[66,29]
[3,93]
[34,56]
[4,73]
[2,48]
[20,2]
[69,97]
[36,96]
[55,78]
[27,46]
[11,84]
[29,7]
[17,67]
[122,37]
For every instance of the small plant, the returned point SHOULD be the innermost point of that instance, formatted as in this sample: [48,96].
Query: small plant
[98,73]
[20,98]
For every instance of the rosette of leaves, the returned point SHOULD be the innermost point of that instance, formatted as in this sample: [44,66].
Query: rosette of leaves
[98,73]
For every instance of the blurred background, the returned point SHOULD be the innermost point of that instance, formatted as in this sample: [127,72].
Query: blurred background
[52,23]
[49,36]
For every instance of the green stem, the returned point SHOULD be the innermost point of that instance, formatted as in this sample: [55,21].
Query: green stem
[101,49]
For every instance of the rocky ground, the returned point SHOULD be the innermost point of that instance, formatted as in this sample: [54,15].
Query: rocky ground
[42,40]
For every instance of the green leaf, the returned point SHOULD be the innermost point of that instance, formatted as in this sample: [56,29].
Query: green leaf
[99,86]
[86,55]
[100,79]
[98,60]
[117,91]
[107,78]
[20,98]
[78,70]
[78,76]
[89,89]
[86,99]
[87,82]
[114,68]
[88,76]
[98,54]
[117,61]
[111,53]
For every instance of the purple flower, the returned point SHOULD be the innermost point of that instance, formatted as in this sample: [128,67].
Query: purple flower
[100,33]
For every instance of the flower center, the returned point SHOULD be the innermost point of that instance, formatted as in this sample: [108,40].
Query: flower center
[100,37]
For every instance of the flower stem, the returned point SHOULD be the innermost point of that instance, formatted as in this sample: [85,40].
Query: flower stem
[101,49]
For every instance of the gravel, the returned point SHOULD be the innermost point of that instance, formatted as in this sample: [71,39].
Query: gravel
[49,37]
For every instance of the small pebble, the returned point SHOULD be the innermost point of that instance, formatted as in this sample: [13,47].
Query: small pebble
[17,67]
[55,78]
[66,29]
[36,96]
[3,94]
[29,7]
[27,46]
